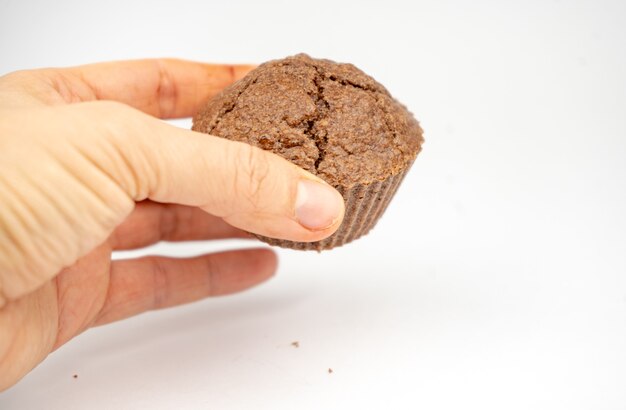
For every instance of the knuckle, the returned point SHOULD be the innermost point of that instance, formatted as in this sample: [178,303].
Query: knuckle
[213,270]
[167,90]
[122,135]
[160,284]
[253,169]
[26,76]
[17,77]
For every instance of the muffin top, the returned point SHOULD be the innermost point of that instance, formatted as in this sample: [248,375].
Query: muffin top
[331,119]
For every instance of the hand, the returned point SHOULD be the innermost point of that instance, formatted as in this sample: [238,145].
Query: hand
[86,169]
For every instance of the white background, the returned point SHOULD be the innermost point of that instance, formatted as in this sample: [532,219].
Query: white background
[497,277]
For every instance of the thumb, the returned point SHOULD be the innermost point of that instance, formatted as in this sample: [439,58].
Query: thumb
[251,189]
[71,174]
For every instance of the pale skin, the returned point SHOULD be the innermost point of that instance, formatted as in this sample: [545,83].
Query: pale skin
[87,168]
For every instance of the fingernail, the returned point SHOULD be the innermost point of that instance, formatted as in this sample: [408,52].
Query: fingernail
[317,205]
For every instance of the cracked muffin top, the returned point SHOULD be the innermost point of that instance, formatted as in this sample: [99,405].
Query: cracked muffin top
[331,119]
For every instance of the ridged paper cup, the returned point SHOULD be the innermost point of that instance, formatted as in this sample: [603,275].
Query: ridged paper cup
[330,119]
[365,204]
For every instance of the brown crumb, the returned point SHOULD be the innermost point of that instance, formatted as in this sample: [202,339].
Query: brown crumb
[75,376]
[330,370]
[295,344]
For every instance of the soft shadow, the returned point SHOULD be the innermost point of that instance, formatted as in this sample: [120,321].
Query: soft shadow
[197,318]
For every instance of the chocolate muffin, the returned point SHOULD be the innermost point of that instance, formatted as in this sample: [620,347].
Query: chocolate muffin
[332,120]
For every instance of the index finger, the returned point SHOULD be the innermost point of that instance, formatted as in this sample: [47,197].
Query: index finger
[164,88]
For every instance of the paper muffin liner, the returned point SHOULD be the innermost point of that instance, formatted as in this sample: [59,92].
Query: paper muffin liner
[364,206]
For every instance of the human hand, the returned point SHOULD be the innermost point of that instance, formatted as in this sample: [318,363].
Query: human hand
[86,169]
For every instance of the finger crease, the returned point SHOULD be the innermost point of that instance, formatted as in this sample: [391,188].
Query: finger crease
[106,301]
[160,284]
[167,223]
[167,92]
[3,299]
[212,271]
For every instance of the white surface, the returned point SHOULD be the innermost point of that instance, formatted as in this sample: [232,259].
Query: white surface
[497,278]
